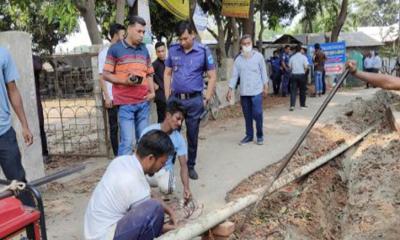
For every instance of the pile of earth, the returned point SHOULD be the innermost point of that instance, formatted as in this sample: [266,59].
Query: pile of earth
[354,196]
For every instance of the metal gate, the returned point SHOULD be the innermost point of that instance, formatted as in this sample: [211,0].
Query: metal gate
[74,117]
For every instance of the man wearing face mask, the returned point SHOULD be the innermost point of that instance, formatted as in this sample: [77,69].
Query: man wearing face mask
[250,67]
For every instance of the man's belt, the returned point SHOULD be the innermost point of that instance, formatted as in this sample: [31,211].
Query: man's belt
[184,96]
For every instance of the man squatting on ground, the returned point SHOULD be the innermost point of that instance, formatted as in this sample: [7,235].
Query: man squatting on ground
[120,207]
[165,178]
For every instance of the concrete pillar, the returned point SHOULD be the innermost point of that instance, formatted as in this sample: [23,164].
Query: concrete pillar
[20,46]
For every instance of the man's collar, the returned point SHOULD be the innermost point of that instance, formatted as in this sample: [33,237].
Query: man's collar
[127,45]
[195,47]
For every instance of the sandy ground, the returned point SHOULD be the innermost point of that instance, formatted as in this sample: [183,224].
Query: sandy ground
[355,196]
[222,163]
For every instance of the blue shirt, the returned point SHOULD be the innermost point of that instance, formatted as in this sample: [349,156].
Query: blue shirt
[178,141]
[285,58]
[8,74]
[276,64]
[252,72]
[188,68]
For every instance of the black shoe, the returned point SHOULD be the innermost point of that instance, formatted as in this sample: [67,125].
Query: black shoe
[245,140]
[193,174]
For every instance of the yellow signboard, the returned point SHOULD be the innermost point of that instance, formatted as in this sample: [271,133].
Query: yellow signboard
[180,8]
[236,8]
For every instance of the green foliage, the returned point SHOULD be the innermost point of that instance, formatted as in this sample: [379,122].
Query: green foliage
[163,23]
[376,12]
[278,12]
[105,15]
[48,21]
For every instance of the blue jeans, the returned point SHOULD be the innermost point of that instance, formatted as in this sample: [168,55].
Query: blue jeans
[10,162]
[285,83]
[194,108]
[318,82]
[142,222]
[252,109]
[133,119]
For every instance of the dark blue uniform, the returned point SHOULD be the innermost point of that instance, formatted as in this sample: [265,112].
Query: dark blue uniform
[187,87]
[276,73]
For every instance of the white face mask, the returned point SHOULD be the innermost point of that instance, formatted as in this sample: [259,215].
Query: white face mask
[247,49]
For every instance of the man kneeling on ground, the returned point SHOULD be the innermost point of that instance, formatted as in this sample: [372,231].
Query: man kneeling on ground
[165,178]
[120,206]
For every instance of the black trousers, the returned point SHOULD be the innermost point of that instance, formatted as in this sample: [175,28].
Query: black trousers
[113,123]
[298,81]
[161,108]
[10,161]
[276,82]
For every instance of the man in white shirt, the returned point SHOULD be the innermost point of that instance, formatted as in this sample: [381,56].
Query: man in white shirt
[298,64]
[120,206]
[117,33]
[376,62]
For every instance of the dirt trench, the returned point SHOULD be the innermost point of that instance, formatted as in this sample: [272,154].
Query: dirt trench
[354,196]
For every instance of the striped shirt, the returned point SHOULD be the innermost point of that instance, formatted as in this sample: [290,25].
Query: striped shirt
[122,60]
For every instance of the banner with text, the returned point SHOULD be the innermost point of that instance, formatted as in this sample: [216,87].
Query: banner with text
[336,56]
[236,8]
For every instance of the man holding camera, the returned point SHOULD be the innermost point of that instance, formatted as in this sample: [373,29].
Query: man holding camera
[128,67]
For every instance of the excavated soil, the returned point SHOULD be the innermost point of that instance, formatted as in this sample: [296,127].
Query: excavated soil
[354,196]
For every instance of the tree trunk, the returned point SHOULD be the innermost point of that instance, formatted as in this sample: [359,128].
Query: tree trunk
[341,18]
[248,23]
[260,35]
[120,14]
[87,10]
[192,7]
[310,26]
[235,40]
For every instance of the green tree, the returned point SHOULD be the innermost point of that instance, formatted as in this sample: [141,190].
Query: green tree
[48,21]
[163,23]
[376,12]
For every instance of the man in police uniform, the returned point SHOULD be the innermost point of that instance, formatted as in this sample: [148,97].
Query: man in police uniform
[186,63]
[286,70]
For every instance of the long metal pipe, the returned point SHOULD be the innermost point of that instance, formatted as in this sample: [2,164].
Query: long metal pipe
[209,221]
[43,180]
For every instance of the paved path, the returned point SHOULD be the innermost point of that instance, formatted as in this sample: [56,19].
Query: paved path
[222,163]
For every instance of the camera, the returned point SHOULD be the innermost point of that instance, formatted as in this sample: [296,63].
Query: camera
[136,79]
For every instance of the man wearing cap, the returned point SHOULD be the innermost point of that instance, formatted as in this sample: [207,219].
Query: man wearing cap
[183,81]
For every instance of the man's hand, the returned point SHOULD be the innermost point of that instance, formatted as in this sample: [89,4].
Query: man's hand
[265,91]
[127,81]
[168,227]
[150,96]
[352,66]
[229,95]
[205,102]
[187,195]
[28,137]
[108,103]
